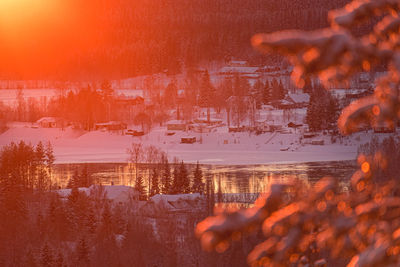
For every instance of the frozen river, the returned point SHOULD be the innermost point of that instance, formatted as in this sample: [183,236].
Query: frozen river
[233,179]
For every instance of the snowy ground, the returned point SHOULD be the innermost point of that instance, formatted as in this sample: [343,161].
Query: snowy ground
[221,147]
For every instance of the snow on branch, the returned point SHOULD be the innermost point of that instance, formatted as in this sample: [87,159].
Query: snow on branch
[362,226]
[335,54]
[332,55]
[359,11]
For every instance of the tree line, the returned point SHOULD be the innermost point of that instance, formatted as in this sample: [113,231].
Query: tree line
[164,177]
[145,37]
[97,103]
[41,228]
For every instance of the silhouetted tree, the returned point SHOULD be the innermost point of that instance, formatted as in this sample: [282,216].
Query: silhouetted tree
[46,256]
[207,93]
[155,186]
[198,184]
[82,252]
[184,179]
[166,179]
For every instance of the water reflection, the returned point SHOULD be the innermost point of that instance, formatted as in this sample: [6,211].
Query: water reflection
[232,179]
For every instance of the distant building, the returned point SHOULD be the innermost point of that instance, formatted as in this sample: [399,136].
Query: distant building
[240,67]
[298,100]
[188,140]
[50,122]
[116,193]
[177,125]
[110,126]
[130,101]
[240,108]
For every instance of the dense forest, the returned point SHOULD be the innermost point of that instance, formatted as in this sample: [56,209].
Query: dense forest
[140,37]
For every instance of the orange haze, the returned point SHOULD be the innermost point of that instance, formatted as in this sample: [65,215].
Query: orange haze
[37,36]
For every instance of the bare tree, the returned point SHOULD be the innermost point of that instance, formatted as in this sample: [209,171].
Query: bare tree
[136,156]
[151,153]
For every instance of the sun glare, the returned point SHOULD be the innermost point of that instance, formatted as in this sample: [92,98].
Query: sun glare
[36,32]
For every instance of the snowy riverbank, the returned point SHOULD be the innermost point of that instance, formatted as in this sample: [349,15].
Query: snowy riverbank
[221,147]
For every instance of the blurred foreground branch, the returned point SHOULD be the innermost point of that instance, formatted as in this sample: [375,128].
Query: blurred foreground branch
[307,228]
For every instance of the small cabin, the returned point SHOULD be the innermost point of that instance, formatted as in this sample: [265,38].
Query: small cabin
[134,132]
[188,140]
[309,135]
[384,129]
[50,122]
[176,125]
[317,142]
[111,126]
[237,129]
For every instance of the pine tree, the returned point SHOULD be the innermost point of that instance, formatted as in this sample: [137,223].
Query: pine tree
[49,156]
[106,222]
[139,186]
[312,114]
[219,193]
[275,90]
[106,89]
[74,181]
[266,94]
[91,223]
[282,91]
[59,262]
[198,185]
[42,182]
[332,111]
[210,195]
[241,86]
[30,259]
[46,256]
[176,183]
[40,153]
[166,182]
[207,93]
[257,92]
[226,88]
[171,93]
[155,186]
[184,179]
[120,222]
[308,86]
[78,204]
[85,179]
[82,252]
[317,116]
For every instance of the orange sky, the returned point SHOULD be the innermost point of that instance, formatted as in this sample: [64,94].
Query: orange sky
[39,35]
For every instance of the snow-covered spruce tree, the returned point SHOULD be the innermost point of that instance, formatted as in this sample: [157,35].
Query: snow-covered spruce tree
[198,184]
[313,227]
[184,178]
[155,186]
[166,180]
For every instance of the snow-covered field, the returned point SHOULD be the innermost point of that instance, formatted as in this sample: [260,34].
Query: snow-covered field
[220,147]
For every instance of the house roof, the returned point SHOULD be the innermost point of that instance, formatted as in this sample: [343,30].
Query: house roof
[48,119]
[177,202]
[172,198]
[118,193]
[176,122]
[241,69]
[299,98]
[234,98]
[109,123]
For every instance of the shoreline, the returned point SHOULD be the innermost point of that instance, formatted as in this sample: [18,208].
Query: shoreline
[217,148]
